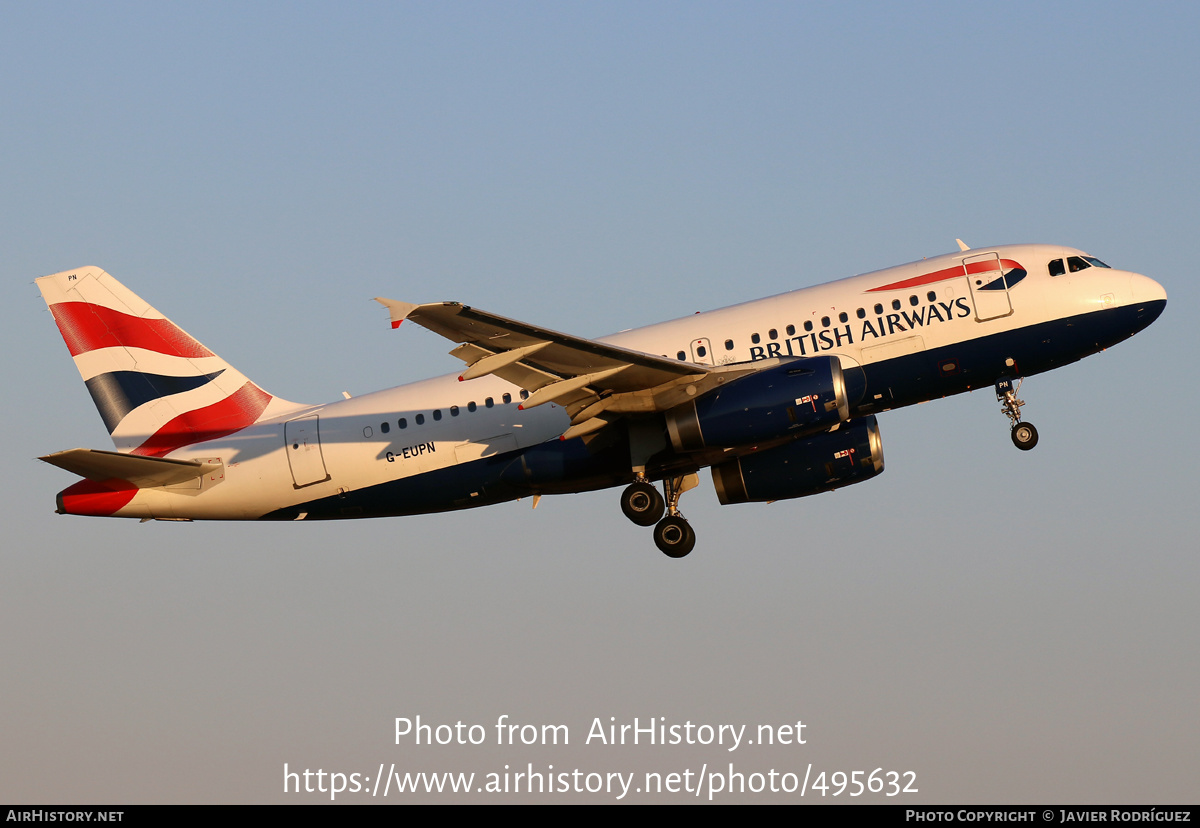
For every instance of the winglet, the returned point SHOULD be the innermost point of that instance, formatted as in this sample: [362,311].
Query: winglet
[398,310]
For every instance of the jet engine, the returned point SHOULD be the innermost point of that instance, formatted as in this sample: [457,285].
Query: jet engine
[850,454]
[797,397]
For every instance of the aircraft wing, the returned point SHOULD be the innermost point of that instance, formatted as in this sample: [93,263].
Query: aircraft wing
[591,380]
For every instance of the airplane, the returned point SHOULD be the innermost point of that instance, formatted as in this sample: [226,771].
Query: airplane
[778,397]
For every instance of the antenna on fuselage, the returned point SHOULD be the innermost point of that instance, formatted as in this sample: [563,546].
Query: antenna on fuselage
[962,245]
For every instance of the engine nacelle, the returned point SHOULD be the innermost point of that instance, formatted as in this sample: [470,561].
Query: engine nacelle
[851,454]
[798,397]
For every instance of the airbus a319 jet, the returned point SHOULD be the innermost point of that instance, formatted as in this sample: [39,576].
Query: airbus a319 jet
[777,397]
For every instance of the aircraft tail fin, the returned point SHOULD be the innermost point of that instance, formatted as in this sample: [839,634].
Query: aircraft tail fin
[156,388]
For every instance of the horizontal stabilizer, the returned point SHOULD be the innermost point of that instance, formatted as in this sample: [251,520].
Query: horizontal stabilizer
[142,472]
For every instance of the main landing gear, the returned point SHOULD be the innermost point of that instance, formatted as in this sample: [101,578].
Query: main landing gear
[643,505]
[1024,435]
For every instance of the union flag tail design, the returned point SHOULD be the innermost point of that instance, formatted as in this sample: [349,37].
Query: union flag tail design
[157,389]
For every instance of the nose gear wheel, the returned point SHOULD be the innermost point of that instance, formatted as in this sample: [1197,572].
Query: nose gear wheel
[1024,436]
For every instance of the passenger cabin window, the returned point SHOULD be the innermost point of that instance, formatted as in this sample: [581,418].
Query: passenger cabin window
[507,398]
[402,422]
[824,321]
[385,427]
[471,406]
[755,338]
[861,313]
[681,356]
[931,296]
[913,300]
[454,411]
[728,344]
[524,394]
[437,413]
[1056,267]
[774,334]
[808,326]
[791,330]
[420,418]
[895,304]
[843,317]
[878,309]
[489,402]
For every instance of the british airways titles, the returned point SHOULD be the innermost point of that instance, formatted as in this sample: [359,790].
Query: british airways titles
[881,325]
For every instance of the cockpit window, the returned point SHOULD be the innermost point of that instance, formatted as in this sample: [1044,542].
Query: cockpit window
[1095,262]
[1076,264]
[1056,267]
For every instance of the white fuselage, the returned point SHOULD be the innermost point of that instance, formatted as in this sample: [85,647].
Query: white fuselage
[375,439]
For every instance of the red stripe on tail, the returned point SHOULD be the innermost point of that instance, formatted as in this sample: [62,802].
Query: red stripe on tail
[87,327]
[231,414]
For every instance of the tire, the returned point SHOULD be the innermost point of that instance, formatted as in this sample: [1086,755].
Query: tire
[642,504]
[674,536]
[1024,436]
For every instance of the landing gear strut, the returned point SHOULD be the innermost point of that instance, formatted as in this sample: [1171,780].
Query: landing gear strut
[643,505]
[1024,435]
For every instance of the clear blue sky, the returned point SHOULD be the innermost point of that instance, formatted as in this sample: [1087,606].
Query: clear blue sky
[1012,627]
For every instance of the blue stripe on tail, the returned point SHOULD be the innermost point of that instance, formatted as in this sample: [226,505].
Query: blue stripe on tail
[119,392]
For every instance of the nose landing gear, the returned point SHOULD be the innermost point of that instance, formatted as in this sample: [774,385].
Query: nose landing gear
[1024,435]
[643,505]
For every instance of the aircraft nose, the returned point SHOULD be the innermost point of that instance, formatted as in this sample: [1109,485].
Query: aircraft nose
[1146,289]
[1149,298]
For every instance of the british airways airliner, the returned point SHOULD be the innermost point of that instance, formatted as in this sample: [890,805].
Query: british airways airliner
[778,397]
